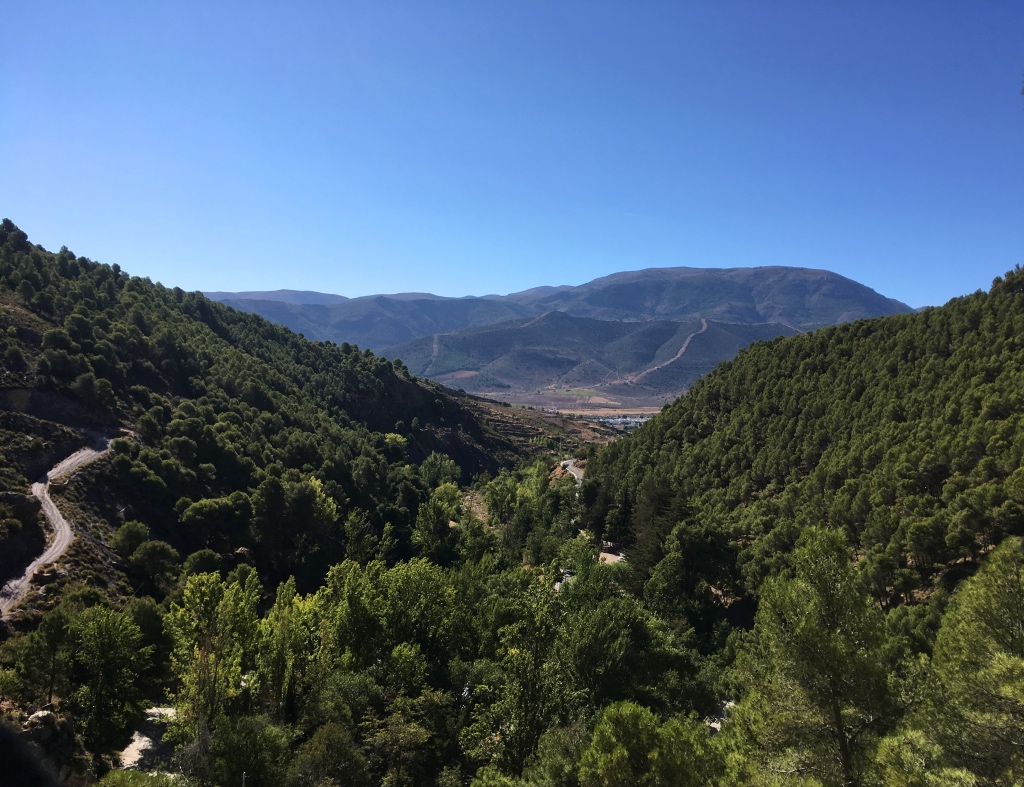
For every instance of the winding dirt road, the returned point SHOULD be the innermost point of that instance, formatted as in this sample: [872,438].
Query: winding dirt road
[674,358]
[577,473]
[15,590]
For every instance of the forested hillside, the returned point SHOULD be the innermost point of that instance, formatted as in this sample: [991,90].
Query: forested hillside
[903,433]
[241,434]
[295,546]
[248,454]
[848,481]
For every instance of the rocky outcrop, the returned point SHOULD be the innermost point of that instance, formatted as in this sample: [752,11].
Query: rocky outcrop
[51,738]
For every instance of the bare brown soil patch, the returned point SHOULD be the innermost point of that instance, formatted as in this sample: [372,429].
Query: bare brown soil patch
[522,426]
[476,505]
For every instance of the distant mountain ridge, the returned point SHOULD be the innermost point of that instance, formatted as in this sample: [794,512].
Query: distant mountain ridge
[804,298]
[600,334]
[382,321]
[280,296]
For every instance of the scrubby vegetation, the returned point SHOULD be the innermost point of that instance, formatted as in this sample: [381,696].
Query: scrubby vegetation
[823,543]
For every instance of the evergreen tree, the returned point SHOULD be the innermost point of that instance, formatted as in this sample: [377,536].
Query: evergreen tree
[977,709]
[818,686]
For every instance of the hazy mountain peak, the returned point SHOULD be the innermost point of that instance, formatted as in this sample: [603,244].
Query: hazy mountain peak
[633,336]
[303,297]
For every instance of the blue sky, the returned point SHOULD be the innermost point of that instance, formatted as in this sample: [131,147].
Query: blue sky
[487,147]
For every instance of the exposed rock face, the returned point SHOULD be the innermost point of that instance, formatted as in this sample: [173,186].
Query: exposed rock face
[41,727]
[51,739]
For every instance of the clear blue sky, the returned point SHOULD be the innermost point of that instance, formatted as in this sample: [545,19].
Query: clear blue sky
[481,147]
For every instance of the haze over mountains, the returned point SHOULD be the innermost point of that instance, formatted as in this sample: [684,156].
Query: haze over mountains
[283,296]
[630,340]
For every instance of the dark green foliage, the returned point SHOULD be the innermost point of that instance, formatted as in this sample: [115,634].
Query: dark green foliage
[904,433]
[111,657]
[976,711]
[44,658]
[155,563]
[557,761]
[630,747]
[250,745]
[245,435]
[901,438]
[148,616]
[820,690]
[433,536]
[205,561]
[129,537]
[331,754]
[795,531]
[90,657]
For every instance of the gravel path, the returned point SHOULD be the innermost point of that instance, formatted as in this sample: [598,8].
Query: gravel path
[577,473]
[15,590]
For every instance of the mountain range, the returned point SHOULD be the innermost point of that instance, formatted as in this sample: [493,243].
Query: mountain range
[631,340]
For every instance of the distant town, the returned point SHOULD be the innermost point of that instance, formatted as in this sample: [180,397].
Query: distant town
[627,423]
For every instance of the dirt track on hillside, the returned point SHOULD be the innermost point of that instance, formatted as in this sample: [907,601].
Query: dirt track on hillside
[15,590]
[674,358]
